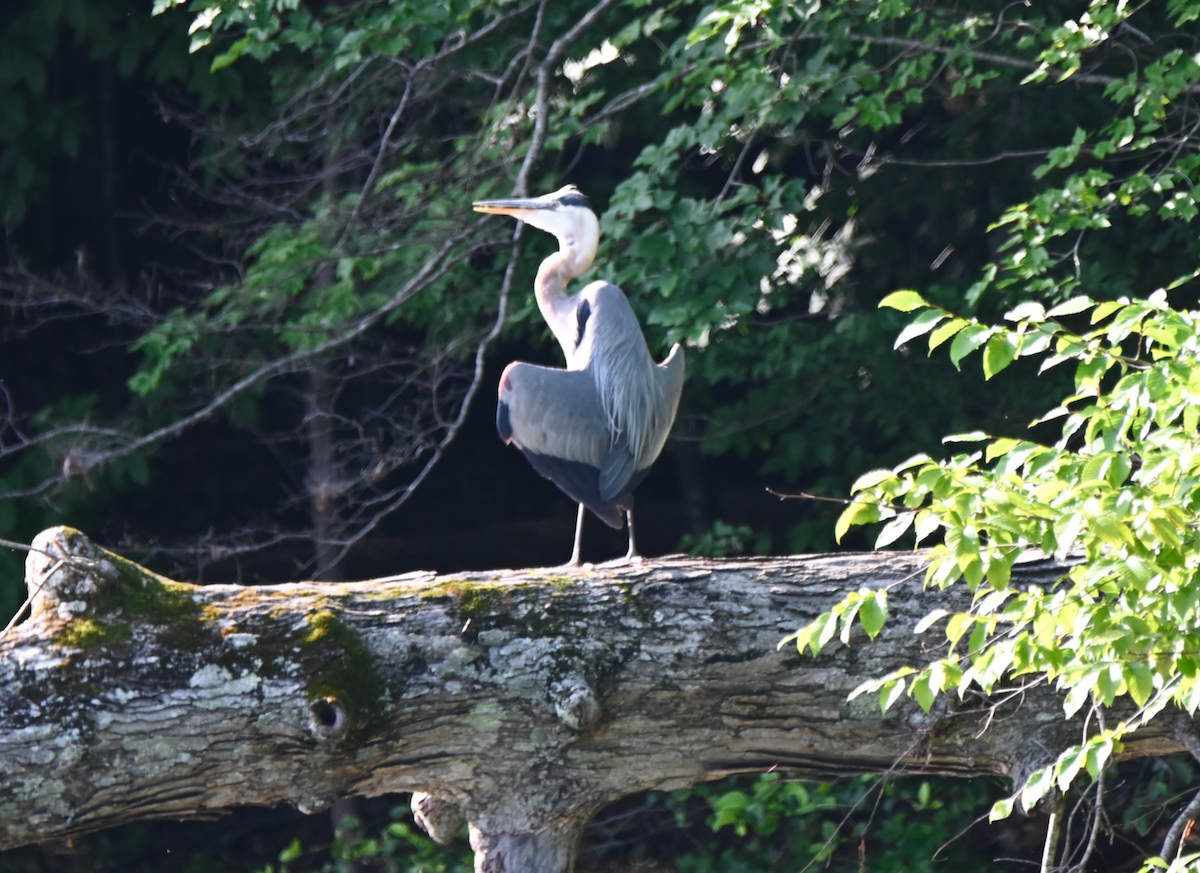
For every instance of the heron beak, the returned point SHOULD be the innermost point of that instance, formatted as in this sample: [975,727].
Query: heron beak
[515,208]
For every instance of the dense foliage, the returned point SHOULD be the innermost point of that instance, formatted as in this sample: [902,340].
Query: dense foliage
[766,175]
[1116,492]
[769,172]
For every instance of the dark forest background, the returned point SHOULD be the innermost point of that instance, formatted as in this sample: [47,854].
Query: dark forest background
[250,328]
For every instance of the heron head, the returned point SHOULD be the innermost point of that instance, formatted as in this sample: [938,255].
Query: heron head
[565,213]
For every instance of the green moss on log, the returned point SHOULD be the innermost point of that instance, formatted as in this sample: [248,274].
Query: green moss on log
[90,633]
[141,597]
[347,675]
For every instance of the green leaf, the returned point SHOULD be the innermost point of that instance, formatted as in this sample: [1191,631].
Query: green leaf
[927,523]
[873,613]
[1098,754]
[891,691]
[929,621]
[802,638]
[920,326]
[1000,447]
[920,458]
[905,301]
[1104,310]
[957,626]
[291,852]
[1000,352]
[1037,786]
[1068,766]
[1081,303]
[855,513]
[871,479]
[1109,684]
[1002,809]
[1140,679]
[968,340]
[923,692]
[945,331]
[230,55]
[894,529]
[975,436]
[824,627]
[1031,310]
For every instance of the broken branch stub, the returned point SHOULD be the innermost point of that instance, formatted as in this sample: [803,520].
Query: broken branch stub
[522,701]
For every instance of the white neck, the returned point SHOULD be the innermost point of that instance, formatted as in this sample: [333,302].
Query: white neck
[578,234]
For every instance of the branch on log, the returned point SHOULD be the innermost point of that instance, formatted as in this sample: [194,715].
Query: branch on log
[521,700]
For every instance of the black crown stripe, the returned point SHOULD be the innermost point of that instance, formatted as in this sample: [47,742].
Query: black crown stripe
[575,199]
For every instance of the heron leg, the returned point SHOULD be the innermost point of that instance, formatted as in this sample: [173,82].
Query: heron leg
[574,562]
[632,554]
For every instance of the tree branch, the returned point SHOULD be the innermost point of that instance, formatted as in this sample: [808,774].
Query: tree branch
[987,57]
[435,266]
[554,55]
[1186,734]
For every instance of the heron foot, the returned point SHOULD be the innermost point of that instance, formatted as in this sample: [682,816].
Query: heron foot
[623,560]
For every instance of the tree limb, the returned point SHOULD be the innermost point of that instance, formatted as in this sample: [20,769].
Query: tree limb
[528,699]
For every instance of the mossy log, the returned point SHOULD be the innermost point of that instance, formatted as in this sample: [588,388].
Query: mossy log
[521,700]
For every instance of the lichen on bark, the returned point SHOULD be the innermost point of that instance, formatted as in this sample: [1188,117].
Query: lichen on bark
[526,700]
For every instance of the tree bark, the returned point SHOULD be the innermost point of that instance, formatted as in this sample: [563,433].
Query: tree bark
[526,699]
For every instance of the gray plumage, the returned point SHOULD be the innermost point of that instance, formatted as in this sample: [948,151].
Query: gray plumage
[597,426]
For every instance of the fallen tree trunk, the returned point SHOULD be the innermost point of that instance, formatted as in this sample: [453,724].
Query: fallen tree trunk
[522,700]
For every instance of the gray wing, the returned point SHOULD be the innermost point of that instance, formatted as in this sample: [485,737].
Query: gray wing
[668,377]
[616,470]
[555,412]
[555,418]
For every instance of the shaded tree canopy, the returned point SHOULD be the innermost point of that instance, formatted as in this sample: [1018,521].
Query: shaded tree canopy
[314,276]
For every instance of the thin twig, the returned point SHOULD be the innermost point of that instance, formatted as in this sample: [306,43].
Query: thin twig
[384,141]
[978,162]
[1094,833]
[72,560]
[1053,832]
[844,501]
[736,170]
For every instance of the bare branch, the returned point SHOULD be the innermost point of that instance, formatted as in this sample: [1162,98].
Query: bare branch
[554,55]
[1171,845]
[986,57]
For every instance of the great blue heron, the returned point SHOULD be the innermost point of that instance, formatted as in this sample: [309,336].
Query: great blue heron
[594,428]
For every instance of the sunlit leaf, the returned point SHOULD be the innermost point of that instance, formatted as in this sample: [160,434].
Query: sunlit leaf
[905,301]
[967,340]
[920,326]
[873,613]
[894,529]
[1082,303]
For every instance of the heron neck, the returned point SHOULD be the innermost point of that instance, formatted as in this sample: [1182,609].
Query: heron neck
[555,304]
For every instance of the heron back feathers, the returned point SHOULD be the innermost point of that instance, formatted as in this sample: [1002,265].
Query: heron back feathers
[639,397]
